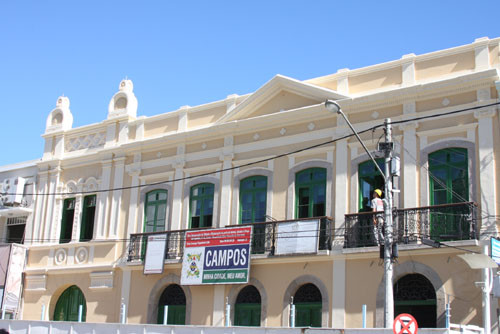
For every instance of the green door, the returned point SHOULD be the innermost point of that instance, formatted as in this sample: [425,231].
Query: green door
[308,303]
[369,179]
[247,307]
[173,296]
[247,314]
[176,314]
[448,183]
[308,314]
[68,304]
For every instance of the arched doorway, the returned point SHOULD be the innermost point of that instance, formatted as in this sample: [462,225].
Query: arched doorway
[68,304]
[307,301]
[415,294]
[247,307]
[173,296]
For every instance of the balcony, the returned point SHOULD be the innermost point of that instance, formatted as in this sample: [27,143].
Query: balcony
[269,238]
[445,222]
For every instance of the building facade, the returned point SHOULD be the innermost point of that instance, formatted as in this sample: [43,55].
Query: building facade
[274,158]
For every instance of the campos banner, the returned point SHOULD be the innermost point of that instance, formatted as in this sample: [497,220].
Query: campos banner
[218,256]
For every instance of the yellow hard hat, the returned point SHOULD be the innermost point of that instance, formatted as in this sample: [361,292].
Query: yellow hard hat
[379,192]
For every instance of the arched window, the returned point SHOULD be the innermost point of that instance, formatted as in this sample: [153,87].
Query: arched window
[449,183]
[201,205]
[369,179]
[253,192]
[449,176]
[310,193]
[173,296]
[307,301]
[155,210]
[68,305]
[415,294]
[248,307]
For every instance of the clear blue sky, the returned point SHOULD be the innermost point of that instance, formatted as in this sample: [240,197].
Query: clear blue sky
[190,53]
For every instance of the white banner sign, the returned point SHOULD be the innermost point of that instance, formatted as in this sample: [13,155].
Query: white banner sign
[13,283]
[155,254]
[297,237]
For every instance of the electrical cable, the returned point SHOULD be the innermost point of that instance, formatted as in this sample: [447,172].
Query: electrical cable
[266,159]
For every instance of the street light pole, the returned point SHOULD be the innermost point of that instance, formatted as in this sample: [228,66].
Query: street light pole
[334,107]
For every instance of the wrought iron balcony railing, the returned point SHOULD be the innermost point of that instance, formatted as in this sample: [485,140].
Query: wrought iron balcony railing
[445,222]
[265,240]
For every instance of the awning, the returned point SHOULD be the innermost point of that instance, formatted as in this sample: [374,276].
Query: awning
[478,261]
[15,211]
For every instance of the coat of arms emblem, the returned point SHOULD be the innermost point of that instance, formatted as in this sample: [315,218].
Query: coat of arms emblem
[193,266]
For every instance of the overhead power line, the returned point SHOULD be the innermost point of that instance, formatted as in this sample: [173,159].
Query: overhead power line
[373,128]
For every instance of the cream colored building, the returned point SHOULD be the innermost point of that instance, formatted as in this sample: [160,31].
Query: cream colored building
[257,158]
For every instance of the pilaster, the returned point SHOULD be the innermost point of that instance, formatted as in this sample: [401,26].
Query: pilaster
[341,183]
[482,54]
[408,70]
[102,197]
[51,210]
[409,154]
[134,170]
[338,291]
[40,207]
[117,195]
[343,81]
[218,306]
[226,177]
[487,171]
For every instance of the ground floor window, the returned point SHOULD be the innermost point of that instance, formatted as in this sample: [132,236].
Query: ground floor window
[68,305]
[248,307]
[173,296]
[307,301]
[415,294]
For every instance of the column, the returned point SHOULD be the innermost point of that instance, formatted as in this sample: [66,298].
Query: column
[338,292]
[117,195]
[225,203]
[341,182]
[125,293]
[219,303]
[486,169]
[481,53]
[409,153]
[408,70]
[75,232]
[49,234]
[102,199]
[225,186]
[175,223]
[41,201]
[134,203]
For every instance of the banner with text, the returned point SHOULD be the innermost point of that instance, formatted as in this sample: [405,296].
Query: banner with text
[217,256]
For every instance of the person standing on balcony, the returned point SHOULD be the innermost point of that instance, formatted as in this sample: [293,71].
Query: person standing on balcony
[378,215]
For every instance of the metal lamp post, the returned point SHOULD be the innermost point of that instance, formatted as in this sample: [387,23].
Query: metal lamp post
[334,107]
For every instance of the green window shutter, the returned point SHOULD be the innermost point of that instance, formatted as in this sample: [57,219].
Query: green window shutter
[155,211]
[310,193]
[253,193]
[88,217]
[449,176]
[448,183]
[201,205]
[67,220]
[68,304]
[369,179]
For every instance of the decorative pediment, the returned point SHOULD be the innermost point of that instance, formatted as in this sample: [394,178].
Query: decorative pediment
[280,93]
